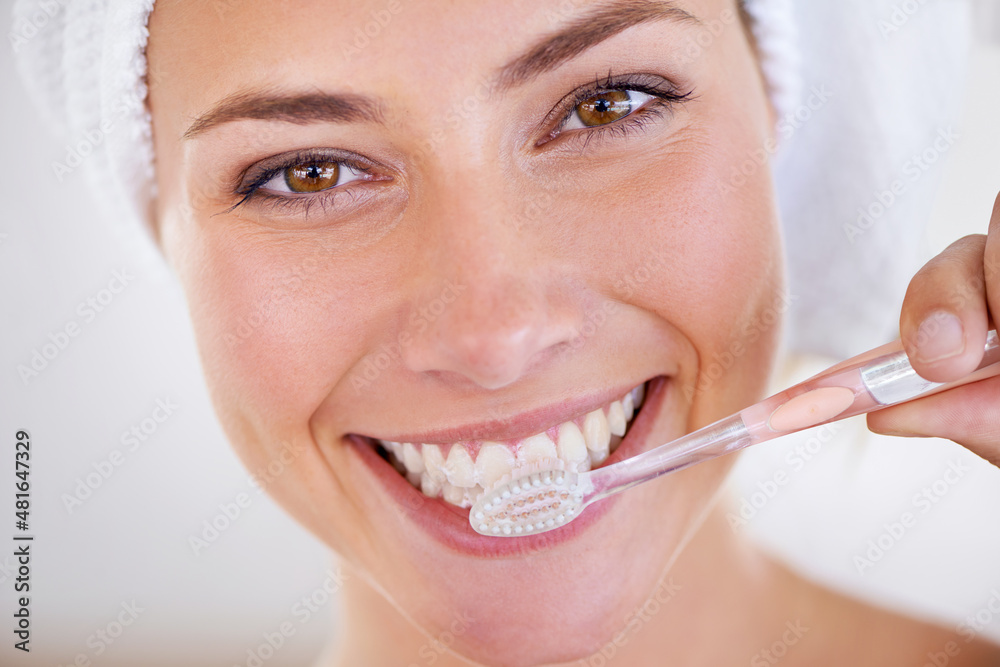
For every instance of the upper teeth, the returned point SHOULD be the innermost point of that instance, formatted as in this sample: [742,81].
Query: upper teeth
[454,474]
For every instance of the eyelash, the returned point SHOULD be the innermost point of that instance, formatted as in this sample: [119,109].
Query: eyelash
[665,98]
[251,189]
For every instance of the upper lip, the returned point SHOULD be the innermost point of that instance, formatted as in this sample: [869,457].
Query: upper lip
[517,425]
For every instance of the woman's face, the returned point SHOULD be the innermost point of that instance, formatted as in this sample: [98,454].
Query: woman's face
[471,225]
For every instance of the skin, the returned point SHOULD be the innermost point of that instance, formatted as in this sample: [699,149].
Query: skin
[534,240]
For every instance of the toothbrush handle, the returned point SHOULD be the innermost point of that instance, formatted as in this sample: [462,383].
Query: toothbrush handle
[857,386]
[890,379]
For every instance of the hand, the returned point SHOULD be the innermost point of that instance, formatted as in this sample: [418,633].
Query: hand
[950,305]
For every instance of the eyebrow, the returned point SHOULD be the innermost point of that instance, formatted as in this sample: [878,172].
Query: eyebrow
[581,34]
[300,109]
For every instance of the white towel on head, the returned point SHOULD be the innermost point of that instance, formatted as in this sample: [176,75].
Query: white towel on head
[888,79]
[891,71]
[84,64]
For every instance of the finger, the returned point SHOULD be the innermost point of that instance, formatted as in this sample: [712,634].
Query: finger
[945,318]
[991,262]
[968,415]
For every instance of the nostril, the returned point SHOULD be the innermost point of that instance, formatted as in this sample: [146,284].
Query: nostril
[501,320]
[491,347]
[492,360]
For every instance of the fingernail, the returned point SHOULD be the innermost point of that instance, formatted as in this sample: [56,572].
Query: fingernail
[940,337]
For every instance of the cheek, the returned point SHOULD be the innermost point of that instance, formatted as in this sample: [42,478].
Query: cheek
[725,286]
[702,255]
[277,323]
[277,328]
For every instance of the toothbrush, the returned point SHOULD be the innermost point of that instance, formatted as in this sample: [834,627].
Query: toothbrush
[545,496]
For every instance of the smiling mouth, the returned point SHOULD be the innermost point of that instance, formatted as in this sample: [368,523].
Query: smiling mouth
[459,472]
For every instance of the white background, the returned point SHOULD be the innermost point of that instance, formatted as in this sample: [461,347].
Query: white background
[129,540]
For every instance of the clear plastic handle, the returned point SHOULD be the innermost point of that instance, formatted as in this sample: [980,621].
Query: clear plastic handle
[876,383]
[891,379]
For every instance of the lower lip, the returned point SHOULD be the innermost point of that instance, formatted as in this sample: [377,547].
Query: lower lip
[449,524]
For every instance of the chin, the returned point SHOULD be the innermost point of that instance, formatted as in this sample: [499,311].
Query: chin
[552,597]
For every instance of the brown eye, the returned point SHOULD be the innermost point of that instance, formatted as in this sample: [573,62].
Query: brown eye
[312,177]
[604,108]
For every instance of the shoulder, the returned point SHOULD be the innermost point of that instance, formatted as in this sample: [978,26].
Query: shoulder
[970,652]
[884,638]
[849,631]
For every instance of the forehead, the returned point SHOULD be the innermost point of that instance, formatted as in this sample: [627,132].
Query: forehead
[350,45]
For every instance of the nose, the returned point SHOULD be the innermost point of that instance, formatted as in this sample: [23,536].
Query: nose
[492,308]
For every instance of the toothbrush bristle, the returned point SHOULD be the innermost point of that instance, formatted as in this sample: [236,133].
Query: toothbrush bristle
[532,499]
